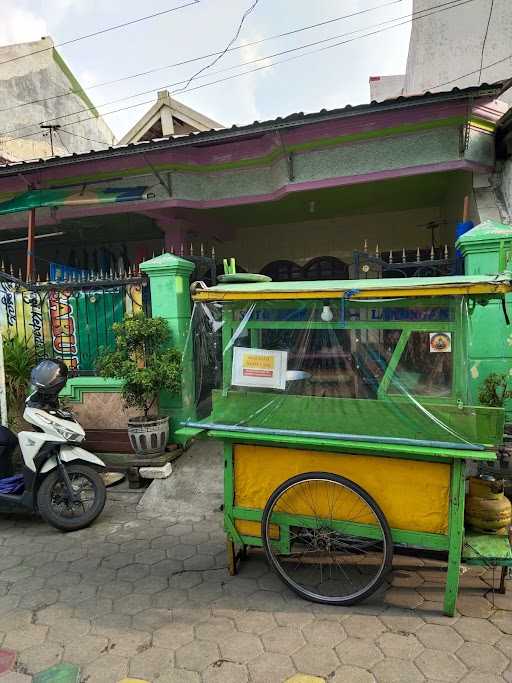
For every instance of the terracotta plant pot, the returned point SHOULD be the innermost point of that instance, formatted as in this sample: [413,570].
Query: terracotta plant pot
[149,436]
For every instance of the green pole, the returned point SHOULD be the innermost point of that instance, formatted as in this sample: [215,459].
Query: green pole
[170,299]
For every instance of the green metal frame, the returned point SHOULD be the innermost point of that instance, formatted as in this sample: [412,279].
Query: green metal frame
[453,540]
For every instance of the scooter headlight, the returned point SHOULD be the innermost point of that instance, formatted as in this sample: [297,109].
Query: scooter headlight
[67,434]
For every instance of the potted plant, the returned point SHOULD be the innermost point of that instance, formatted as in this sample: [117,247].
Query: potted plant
[146,365]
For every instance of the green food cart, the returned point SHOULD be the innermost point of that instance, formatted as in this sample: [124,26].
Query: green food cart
[348,427]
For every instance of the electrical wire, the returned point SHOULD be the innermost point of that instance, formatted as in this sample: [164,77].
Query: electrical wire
[62,141]
[101,31]
[76,135]
[470,73]
[410,18]
[485,39]
[211,54]
[233,39]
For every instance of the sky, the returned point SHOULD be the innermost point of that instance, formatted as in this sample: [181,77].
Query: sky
[328,79]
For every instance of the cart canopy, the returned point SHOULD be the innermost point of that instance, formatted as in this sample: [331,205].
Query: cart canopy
[375,361]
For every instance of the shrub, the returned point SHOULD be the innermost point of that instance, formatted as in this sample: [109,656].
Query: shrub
[143,361]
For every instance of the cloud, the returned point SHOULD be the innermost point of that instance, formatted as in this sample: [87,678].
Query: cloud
[19,25]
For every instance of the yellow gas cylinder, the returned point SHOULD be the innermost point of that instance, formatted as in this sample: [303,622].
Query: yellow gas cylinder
[487,508]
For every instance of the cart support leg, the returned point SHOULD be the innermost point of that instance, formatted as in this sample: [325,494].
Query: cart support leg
[456,534]
[503,587]
[230,547]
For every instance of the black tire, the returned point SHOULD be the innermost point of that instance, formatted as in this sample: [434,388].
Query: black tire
[47,508]
[273,556]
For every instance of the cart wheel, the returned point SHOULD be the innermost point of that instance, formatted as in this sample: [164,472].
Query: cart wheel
[340,546]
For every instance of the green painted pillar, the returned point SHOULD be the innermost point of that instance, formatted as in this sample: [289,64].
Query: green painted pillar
[170,299]
[484,249]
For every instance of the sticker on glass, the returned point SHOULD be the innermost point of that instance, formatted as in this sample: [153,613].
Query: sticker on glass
[440,342]
[259,368]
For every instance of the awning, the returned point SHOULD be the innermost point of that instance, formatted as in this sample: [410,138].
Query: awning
[73,196]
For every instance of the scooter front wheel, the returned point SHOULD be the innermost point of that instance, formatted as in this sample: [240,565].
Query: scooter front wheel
[57,508]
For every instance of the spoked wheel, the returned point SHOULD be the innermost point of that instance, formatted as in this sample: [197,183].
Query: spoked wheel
[339,547]
[56,506]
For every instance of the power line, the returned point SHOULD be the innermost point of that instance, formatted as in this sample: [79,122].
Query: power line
[409,18]
[485,39]
[211,54]
[265,66]
[233,39]
[76,135]
[470,73]
[62,142]
[140,104]
[101,31]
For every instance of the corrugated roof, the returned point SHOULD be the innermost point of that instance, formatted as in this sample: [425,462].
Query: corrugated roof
[259,128]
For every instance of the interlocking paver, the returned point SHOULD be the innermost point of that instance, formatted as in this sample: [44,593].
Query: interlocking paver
[271,667]
[477,630]
[115,589]
[85,650]
[39,657]
[440,666]
[133,572]
[401,621]
[359,652]
[316,660]
[68,629]
[20,639]
[197,655]
[324,632]
[108,668]
[283,639]
[149,663]
[483,657]
[255,622]
[131,604]
[240,647]
[401,646]
[151,619]
[437,637]
[397,671]
[352,674]
[174,635]
[128,597]
[362,626]
[225,672]
[403,597]
[503,620]
[216,629]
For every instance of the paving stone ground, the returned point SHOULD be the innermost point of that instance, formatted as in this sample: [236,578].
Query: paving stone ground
[142,596]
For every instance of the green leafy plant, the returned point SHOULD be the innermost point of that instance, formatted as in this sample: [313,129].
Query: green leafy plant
[142,360]
[494,391]
[19,359]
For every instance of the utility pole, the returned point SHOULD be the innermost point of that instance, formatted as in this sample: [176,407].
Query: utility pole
[51,128]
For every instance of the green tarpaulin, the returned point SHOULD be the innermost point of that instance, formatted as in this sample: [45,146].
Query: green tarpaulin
[72,196]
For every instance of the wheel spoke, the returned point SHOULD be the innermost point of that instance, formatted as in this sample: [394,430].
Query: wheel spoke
[327,561]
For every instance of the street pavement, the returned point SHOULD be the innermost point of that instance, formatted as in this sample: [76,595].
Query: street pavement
[141,595]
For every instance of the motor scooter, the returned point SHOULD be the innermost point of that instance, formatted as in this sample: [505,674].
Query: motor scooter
[58,479]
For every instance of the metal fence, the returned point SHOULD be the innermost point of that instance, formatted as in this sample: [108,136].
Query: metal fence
[430,262]
[71,319]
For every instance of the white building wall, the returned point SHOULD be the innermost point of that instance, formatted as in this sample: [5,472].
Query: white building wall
[38,78]
[447,47]
[386,87]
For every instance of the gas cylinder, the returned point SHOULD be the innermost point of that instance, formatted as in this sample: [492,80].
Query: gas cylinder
[488,510]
